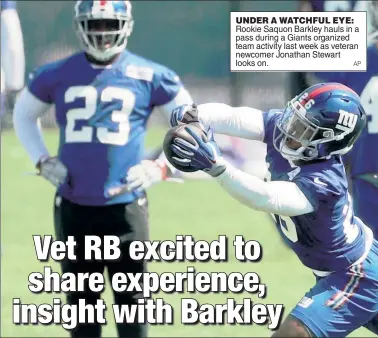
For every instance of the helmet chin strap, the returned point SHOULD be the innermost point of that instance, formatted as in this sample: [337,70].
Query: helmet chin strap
[291,154]
[295,155]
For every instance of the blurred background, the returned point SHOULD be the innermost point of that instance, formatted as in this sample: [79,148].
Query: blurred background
[192,38]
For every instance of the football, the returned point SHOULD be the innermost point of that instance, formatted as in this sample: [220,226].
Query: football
[179,131]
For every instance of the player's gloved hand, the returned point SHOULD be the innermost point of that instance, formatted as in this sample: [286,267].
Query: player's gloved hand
[185,114]
[204,156]
[140,177]
[145,174]
[52,170]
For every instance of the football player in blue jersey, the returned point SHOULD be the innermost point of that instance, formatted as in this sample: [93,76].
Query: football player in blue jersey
[307,195]
[12,56]
[103,97]
[362,161]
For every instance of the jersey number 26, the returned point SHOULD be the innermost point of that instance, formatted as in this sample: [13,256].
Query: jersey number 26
[90,96]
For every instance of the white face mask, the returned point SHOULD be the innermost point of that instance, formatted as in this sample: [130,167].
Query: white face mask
[103,38]
[295,137]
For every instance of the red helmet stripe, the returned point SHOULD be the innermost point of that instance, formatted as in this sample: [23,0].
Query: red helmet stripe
[327,87]
[103,3]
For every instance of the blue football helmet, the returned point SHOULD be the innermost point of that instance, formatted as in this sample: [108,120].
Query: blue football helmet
[324,120]
[103,27]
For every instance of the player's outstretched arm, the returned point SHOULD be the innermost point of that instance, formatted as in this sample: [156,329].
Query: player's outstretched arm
[276,197]
[243,122]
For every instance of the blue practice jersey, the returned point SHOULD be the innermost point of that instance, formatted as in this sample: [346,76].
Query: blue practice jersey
[330,238]
[5,4]
[102,115]
[364,156]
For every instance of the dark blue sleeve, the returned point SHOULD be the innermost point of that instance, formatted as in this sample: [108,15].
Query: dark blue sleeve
[40,84]
[5,4]
[166,86]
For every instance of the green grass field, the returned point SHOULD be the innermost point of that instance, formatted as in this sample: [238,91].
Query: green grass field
[26,210]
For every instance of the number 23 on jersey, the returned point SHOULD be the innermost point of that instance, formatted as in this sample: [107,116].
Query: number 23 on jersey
[91,95]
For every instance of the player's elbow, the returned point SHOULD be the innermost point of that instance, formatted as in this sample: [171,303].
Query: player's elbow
[18,120]
[259,204]
[183,97]
[270,206]
[19,114]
